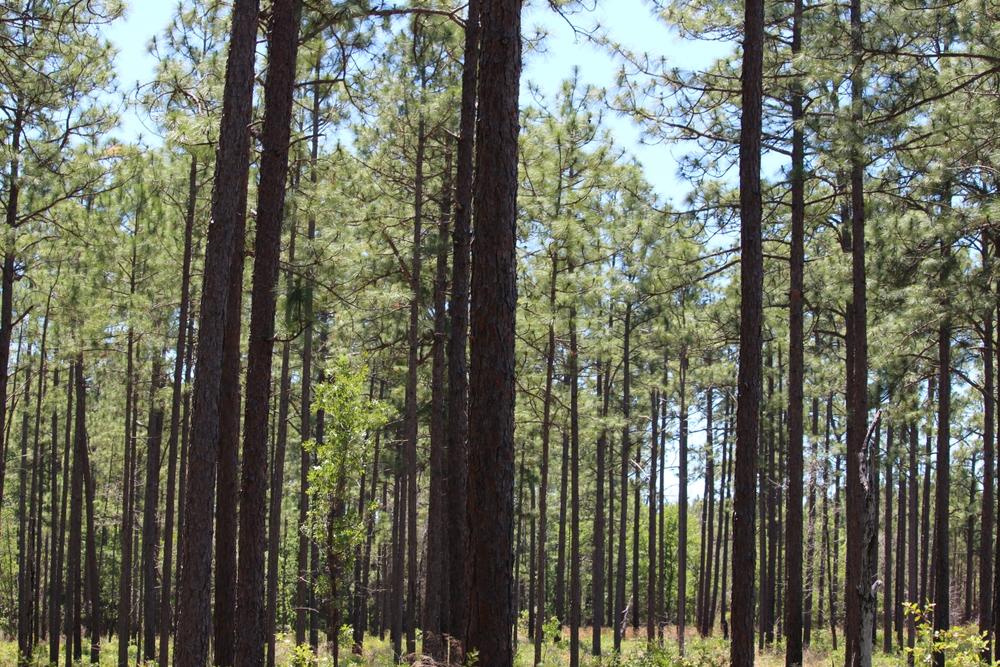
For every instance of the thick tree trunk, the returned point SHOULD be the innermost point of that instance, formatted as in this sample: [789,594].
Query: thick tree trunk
[751,314]
[282,50]
[227,464]
[228,212]
[491,370]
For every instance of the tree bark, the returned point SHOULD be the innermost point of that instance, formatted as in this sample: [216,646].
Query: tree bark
[150,510]
[887,586]
[989,471]
[597,574]
[458,311]
[282,52]
[619,618]
[543,504]
[574,550]
[228,212]
[682,504]
[175,414]
[942,579]
[793,530]
[751,314]
[654,421]
[491,371]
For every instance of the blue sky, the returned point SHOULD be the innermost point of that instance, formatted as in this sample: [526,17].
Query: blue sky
[630,21]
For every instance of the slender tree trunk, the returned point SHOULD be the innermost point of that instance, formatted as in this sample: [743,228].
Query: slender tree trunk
[92,577]
[458,311]
[23,576]
[925,517]
[597,574]
[914,518]
[682,504]
[128,491]
[398,557]
[861,564]
[411,394]
[898,591]
[619,617]
[989,471]
[150,509]
[887,589]
[491,370]
[228,213]
[543,503]
[73,604]
[175,414]
[437,583]
[574,551]
[560,575]
[708,503]
[751,315]
[654,421]
[970,539]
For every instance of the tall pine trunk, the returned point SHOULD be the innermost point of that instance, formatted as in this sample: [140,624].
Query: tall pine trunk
[491,369]
[228,212]
[458,311]
[751,315]
[175,415]
[282,50]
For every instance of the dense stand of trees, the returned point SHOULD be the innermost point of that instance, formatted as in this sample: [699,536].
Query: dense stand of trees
[485,387]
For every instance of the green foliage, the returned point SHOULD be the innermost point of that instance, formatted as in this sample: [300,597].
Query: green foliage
[303,656]
[350,417]
[962,645]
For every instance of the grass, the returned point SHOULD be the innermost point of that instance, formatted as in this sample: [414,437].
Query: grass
[700,652]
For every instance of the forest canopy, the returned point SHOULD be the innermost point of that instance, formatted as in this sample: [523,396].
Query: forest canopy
[622,332]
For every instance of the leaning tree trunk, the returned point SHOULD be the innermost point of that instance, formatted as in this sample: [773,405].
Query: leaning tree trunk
[228,212]
[282,49]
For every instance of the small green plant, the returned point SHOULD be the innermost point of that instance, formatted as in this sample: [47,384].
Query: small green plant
[303,656]
[963,646]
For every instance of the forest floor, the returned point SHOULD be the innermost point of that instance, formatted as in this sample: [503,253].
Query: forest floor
[701,652]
